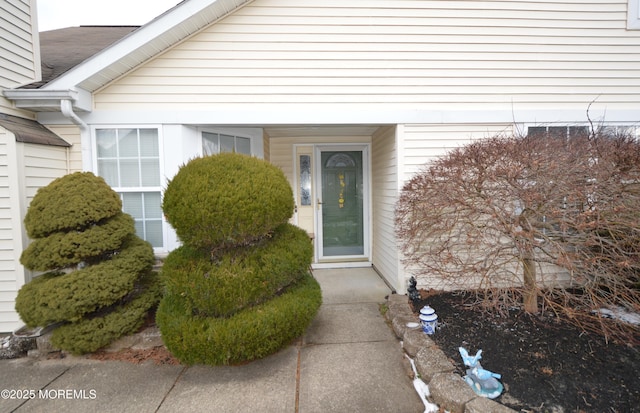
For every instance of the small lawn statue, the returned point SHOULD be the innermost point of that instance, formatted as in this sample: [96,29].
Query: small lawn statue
[412,291]
[483,382]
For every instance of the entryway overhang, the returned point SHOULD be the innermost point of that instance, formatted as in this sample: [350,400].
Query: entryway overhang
[330,169]
[310,131]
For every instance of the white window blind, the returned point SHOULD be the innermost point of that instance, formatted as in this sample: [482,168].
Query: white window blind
[214,143]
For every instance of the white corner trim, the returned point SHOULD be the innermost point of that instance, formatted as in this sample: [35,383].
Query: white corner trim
[633,15]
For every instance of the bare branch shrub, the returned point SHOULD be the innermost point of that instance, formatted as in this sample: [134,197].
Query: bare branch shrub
[545,222]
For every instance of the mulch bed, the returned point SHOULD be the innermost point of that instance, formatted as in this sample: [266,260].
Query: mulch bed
[547,365]
[156,355]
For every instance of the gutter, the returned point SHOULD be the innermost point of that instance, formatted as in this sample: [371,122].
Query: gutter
[43,100]
[66,107]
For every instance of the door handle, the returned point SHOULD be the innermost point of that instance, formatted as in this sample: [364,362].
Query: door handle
[319,203]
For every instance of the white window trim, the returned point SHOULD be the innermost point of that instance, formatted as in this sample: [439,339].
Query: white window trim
[238,133]
[160,188]
[633,15]
[632,128]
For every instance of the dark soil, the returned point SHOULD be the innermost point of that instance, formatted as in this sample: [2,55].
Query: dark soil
[157,355]
[546,365]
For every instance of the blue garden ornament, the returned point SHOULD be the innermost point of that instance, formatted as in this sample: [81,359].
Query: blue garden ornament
[467,359]
[483,382]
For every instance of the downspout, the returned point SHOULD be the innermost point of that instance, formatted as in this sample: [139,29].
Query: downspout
[67,110]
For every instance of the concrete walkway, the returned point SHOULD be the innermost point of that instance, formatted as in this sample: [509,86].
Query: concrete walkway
[348,361]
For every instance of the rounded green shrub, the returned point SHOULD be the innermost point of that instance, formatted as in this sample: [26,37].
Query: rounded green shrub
[240,278]
[55,297]
[251,334]
[226,200]
[239,288]
[96,263]
[94,332]
[71,202]
[67,249]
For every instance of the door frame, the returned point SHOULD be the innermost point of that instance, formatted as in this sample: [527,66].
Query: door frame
[343,260]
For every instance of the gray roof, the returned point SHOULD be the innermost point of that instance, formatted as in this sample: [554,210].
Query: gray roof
[30,131]
[63,49]
[166,30]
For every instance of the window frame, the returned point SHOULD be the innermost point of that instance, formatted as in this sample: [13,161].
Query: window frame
[633,129]
[159,189]
[556,130]
[230,132]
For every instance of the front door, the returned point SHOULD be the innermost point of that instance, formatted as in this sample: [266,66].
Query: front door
[342,204]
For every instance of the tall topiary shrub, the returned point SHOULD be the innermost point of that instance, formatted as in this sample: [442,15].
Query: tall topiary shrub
[230,201]
[240,287]
[98,281]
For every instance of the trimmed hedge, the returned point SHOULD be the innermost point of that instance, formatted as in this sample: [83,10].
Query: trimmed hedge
[72,202]
[239,289]
[55,297]
[250,334]
[99,280]
[241,278]
[93,333]
[227,200]
[65,249]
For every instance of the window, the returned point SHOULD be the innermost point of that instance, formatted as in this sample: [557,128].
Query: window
[129,161]
[567,132]
[624,130]
[213,143]
[558,131]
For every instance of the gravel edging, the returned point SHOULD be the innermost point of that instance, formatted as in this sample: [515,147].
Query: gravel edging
[448,389]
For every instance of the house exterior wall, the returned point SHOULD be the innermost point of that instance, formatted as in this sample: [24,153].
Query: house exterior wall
[23,169]
[20,57]
[72,135]
[12,274]
[517,56]
[41,165]
[444,72]
[422,143]
[384,177]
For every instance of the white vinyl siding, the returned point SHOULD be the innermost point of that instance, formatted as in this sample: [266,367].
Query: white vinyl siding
[384,161]
[42,164]
[462,55]
[71,134]
[423,143]
[24,168]
[12,274]
[19,49]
